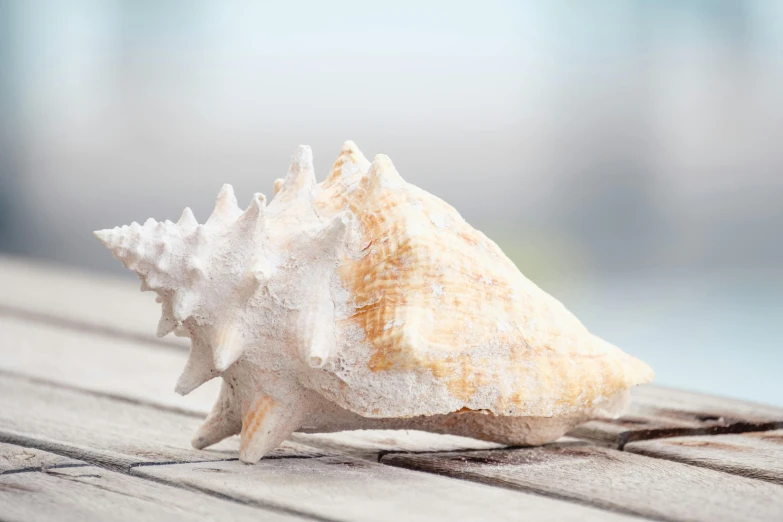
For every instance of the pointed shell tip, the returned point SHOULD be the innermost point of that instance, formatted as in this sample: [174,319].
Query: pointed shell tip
[103,235]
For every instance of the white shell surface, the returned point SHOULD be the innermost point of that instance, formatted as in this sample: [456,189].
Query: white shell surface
[362,300]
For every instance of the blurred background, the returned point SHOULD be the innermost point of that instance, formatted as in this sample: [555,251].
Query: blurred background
[627,155]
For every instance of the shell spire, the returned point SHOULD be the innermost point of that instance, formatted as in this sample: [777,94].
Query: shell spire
[144,249]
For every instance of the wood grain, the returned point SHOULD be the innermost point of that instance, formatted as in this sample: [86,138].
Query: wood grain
[80,300]
[109,365]
[756,455]
[658,412]
[611,479]
[145,373]
[89,494]
[105,431]
[343,488]
[15,459]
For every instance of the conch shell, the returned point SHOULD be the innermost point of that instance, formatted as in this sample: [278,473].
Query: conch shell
[366,302]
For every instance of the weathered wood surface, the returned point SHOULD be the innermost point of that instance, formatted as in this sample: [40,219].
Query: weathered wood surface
[90,493]
[109,365]
[611,479]
[15,459]
[78,300]
[343,488]
[756,455]
[103,430]
[82,375]
[658,412]
[126,369]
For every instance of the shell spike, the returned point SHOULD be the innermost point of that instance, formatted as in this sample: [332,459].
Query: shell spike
[222,422]
[166,325]
[105,236]
[333,234]
[196,271]
[383,167]
[266,424]
[228,347]
[226,207]
[349,147]
[115,239]
[197,371]
[255,215]
[318,343]
[350,155]
[187,221]
[278,186]
[301,174]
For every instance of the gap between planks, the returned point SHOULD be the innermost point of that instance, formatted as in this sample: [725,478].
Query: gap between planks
[260,487]
[54,450]
[136,401]
[88,327]
[244,502]
[94,493]
[736,428]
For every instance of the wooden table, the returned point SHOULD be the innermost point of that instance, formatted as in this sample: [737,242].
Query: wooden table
[90,429]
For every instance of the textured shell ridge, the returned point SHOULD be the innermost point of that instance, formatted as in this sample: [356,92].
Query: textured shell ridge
[364,299]
[497,359]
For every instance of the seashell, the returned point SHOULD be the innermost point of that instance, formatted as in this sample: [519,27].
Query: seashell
[366,302]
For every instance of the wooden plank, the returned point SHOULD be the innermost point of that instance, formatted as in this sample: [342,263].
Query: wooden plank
[145,373]
[110,365]
[109,432]
[756,455]
[612,480]
[371,444]
[96,494]
[15,459]
[658,412]
[80,300]
[343,488]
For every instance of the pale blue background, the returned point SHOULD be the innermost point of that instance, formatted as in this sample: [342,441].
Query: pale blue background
[627,154]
